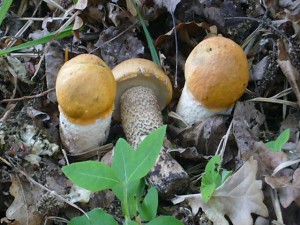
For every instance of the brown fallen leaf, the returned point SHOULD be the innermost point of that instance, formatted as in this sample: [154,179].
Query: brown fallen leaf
[186,32]
[24,208]
[54,59]
[238,197]
[290,72]
[117,46]
[246,125]
[267,160]
[287,186]
[205,135]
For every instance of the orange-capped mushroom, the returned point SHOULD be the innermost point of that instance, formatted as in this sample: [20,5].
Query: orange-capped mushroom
[217,74]
[86,90]
[143,90]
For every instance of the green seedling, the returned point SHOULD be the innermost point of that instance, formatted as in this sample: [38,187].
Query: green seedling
[281,140]
[213,177]
[51,36]
[4,8]
[151,46]
[126,179]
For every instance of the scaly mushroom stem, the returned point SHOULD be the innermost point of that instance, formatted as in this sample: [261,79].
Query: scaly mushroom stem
[190,109]
[140,114]
[79,138]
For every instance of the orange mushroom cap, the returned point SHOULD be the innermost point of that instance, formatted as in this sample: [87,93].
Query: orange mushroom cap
[142,72]
[85,89]
[217,72]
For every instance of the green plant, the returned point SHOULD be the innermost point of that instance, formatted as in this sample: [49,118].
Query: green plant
[126,179]
[51,36]
[4,8]
[213,177]
[151,46]
[279,142]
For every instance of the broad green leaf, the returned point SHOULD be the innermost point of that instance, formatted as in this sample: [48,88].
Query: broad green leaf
[132,165]
[211,178]
[165,220]
[272,146]
[147,153]
[280,141]
[129,195]
[212,170]
[91,175]
[123,161]
[95,217]
[51,36]
[148,208]
[283,138]
[207,190]
[129,222]
[4,8]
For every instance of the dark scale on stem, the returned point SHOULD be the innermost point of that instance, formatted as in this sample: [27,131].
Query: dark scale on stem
[294,53]
[271,72]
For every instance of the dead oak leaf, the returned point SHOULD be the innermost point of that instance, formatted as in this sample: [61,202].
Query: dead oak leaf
[170,5]
[287,186]
[24,209]
[238,197]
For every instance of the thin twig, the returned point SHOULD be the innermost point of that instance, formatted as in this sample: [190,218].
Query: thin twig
[222,145]
[176,49]
[6,115]
[31,180]
[28,97]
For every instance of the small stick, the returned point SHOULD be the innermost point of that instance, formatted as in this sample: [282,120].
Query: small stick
[28,97]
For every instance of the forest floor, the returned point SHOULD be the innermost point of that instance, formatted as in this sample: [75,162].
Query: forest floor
[31,155]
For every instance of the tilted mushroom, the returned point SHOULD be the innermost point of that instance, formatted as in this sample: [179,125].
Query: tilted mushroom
[217,74]
[143,90]
[86,90]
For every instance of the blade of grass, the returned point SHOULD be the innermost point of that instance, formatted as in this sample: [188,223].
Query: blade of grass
[153,52]
[65,33]
[4,8]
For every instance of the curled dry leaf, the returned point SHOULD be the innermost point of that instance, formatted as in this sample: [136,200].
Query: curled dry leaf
[205,135]
[246,123]
[238,197]
[34,113]
[81,4]
[24,209]
[19,69]
[290,72]
[186,32]
[287,186]
[267,159]
[170,5]
[259,69]
[54,59]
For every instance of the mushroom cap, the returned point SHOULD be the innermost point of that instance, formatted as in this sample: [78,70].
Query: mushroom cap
[141,72]
[85,89]
[217,72]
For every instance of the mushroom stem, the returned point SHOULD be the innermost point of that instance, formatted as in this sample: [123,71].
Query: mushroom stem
[140,114]
[79,138]
[190,109]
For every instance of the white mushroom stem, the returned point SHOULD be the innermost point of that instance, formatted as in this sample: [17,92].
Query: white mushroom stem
[79,138]
[190,109]
[140,114]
